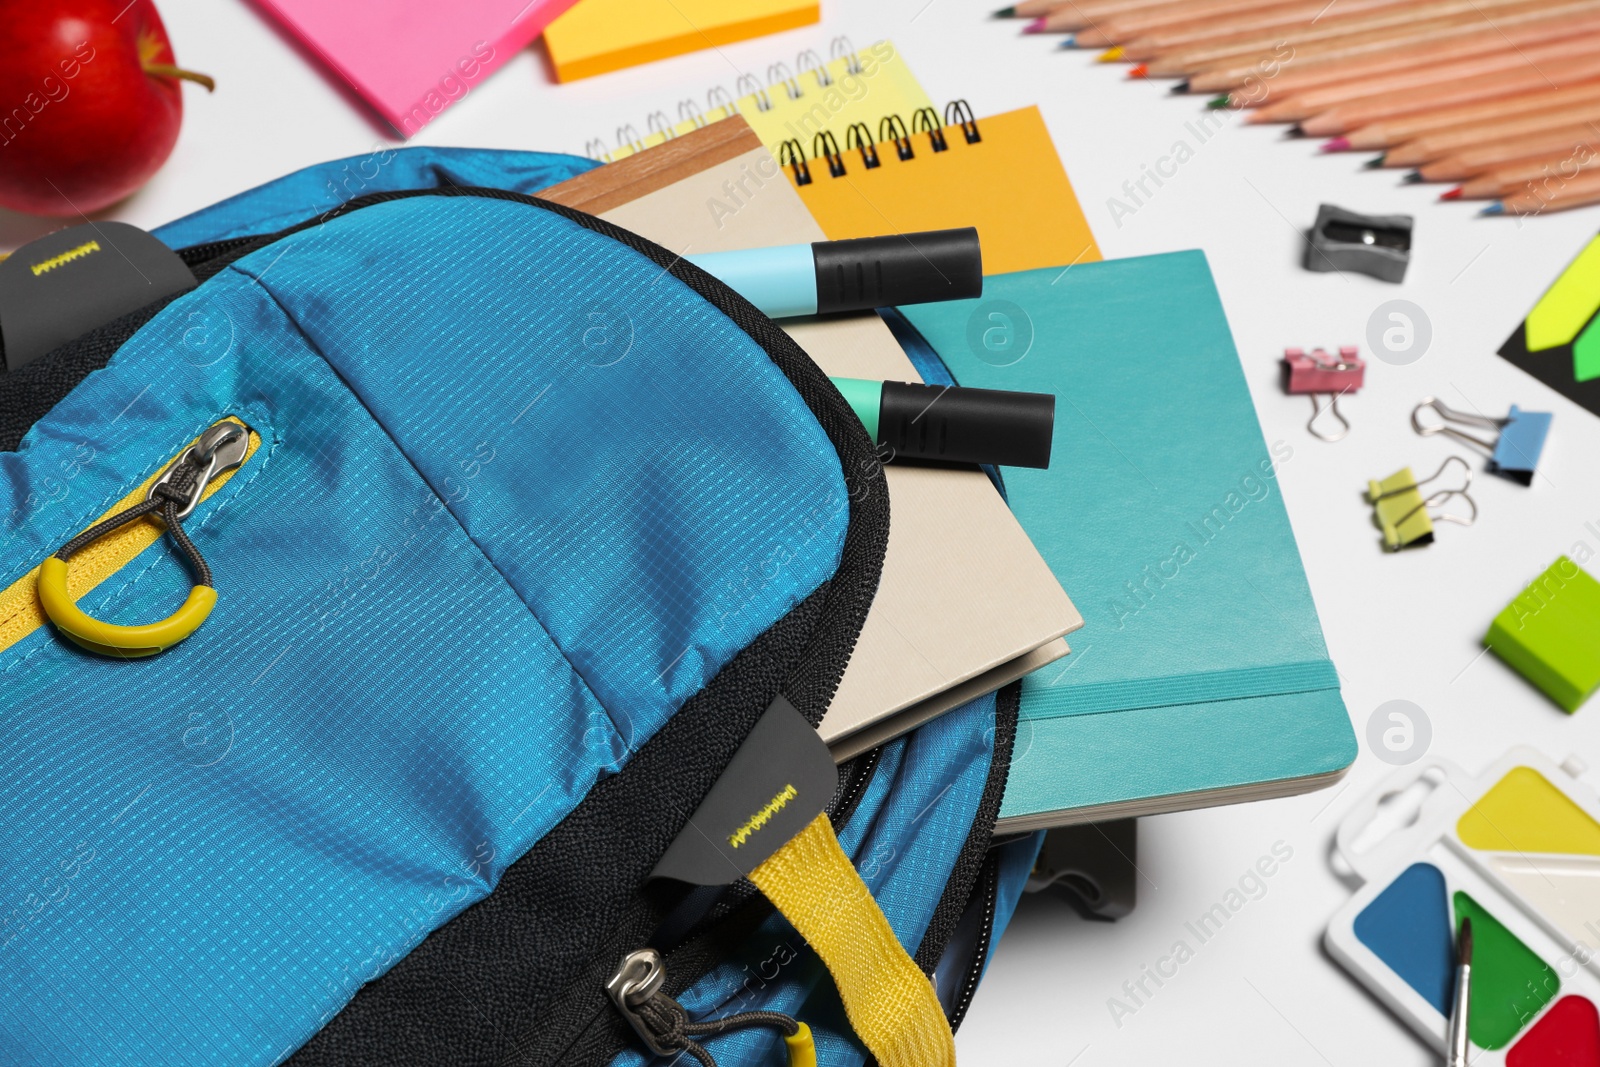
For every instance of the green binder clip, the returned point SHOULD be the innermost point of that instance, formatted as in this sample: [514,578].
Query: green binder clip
[1404,514]
[1551,634]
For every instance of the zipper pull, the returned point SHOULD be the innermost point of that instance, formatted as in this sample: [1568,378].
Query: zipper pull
[663,1024]
[172,497]
[637,981]
[219,450]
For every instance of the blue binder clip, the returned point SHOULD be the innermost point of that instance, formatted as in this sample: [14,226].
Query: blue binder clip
[1513,453]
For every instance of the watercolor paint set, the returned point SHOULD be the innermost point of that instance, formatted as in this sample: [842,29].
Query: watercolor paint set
[1515,850]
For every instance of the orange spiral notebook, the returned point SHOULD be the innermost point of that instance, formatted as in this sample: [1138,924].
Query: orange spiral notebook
[1000,174]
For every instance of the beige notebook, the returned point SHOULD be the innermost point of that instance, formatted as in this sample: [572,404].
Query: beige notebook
[965,603]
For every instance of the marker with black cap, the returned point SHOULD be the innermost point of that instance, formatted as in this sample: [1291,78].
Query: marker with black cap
[828,277]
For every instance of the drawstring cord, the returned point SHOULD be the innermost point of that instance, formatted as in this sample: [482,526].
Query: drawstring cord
[669,1021]
[166,498]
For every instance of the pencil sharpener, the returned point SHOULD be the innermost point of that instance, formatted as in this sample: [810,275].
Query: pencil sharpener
[1379,245]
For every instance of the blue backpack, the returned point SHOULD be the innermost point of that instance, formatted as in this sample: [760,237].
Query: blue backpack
[499,592]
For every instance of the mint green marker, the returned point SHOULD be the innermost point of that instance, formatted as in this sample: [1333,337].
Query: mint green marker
[954,425]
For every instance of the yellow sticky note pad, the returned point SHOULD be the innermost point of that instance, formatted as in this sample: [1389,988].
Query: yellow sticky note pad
[597,36]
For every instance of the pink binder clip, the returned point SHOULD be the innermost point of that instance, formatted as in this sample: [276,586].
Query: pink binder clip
[1317,374]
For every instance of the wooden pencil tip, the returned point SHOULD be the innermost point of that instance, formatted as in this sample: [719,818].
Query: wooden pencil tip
[1217,103]
[1374,163]
[1036,26]
[1141,71]
[1005,13]
[1338,144]
[1414,178]
[1110,55]
[1496,208]
[1181,87]
[1295,131]
[1453,194]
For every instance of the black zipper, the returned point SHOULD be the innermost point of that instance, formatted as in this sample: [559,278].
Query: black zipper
[989,886]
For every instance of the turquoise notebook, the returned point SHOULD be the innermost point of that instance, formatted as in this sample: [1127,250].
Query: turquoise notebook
[1200,676]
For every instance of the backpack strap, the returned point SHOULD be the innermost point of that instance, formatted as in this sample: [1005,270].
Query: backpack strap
[891,1004]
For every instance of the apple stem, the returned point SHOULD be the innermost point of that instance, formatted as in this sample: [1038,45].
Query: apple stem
[167,70]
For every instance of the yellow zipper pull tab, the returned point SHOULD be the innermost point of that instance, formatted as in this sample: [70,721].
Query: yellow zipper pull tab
[173,497]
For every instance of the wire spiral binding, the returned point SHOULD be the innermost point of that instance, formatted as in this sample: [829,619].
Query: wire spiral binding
[959,111]
[791,154]
[778,74]
[926,120]
[823,146]
[892,129]
[721,104]
[808,60]
[657,122]
[747,85]
[859,136]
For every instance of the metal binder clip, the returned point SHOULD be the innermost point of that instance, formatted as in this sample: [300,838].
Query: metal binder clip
[1513,453]
[1402,512]
[1379,245]
[1318,374]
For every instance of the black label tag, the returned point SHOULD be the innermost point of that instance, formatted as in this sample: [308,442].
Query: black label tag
[781,778]
[66,283]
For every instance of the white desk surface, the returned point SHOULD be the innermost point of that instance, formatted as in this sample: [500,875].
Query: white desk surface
[1407,626]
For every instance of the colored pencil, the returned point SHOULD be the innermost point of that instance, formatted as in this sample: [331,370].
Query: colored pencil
[1367,42]
[1580,192]
[1220,77]
[1146,33]
[1316,76]
[1344,18]
[1482,158]
[1074,18]
[1286,104]
[1431,88]
[1398,130]
[1376,29]
[1422,150]
[1348,116]
[1032,9]
[1547,174]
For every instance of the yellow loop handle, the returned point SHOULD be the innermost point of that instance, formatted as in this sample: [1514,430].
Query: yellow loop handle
[109,639]
[890,1003]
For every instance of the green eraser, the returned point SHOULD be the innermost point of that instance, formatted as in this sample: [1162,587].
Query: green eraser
[1551,634]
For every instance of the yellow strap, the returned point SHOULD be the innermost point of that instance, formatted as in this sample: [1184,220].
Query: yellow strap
[891,1003]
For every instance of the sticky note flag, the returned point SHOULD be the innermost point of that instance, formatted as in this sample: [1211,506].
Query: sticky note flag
[1551,634]
[1586,353]
[1568,304]
[1559,341]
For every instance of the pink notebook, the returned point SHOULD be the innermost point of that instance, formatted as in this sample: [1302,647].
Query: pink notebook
[411,59]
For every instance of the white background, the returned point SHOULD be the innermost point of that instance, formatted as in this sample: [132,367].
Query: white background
[1399,627]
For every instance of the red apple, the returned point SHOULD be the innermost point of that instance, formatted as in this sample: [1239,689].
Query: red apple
[89,102]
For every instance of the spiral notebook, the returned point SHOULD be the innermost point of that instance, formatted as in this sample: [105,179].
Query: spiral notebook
[802,101]
[1000,174]
[965,603]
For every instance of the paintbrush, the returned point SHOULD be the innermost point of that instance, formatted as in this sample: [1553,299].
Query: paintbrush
[1456,1050]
